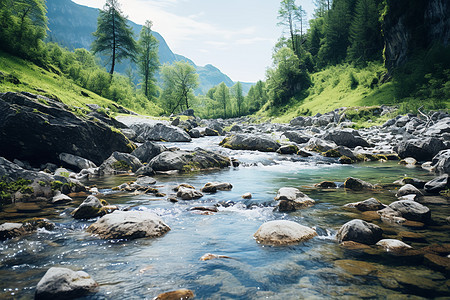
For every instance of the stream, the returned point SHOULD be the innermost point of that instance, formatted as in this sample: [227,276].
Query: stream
[317,269]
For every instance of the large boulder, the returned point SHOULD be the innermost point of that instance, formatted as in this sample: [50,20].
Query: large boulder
[120,163]
[63,283]
[283,232]
[357,184]
[186,160]
[129,225]
[408,189]
[160,132]
[437,184]
[420,149]
[76,161]
[359,231]
[441,161]
[148,150]
[346,137]
[292,199]
[320,145]
[439,128]
[250,142]
[37,129]
[412,210]
[296,137]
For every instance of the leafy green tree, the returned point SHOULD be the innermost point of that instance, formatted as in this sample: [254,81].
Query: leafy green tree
[222,95]
[239,96]
[179,81]
[288,16]
[148,58]
[113,38]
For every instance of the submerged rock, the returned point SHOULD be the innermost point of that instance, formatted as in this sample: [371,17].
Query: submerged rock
[250,142]
[182,294]
[412,210]
[357,184]
[326,185]
[393,245]
[359,231]
[292,199]
[63,283]
[371,204]
[212,187]
[129,225]
[209,256]
[282,232]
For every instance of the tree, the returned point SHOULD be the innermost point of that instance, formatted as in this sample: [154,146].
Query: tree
[179,80]
[148,58]
[222,95]
[113,37]
[288,15]
[238,94]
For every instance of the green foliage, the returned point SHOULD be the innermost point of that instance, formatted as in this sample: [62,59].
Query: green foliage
[222,95]
[148,61]
[238,96]
[9,187]
[120,165]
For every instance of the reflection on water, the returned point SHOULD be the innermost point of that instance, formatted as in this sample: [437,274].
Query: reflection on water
[319,268]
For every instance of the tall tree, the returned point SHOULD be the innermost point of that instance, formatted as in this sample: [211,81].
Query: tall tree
[179,81]
[148,57]
[113,37]
[288,15]
[222,95]
[238,94]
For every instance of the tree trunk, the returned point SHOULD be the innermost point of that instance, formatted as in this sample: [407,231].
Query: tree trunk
[113,63]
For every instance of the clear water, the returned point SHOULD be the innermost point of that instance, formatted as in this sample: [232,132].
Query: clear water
[143,268]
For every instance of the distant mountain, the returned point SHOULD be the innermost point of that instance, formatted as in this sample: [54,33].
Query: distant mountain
[71,25]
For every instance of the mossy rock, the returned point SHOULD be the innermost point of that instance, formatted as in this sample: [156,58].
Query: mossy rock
[121,165]
[345,160]
[331,153]
[392,157]
[381,157]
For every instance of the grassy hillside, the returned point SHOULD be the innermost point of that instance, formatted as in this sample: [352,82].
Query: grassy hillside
[49,83]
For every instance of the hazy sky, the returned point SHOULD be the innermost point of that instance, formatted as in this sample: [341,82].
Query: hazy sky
[237,36]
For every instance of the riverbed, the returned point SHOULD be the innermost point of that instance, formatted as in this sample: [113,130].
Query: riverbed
[319,268]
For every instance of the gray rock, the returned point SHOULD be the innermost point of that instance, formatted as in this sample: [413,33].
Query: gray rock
[188,193]
[320,145]
[439,128]
[393,245]
[283,232]
[420,149]
[296,137]
[148,151]
[292,199]
[76,161]
[359,231]
[160,132]
[288,149]
[441,161]
[129,225]
[371,204]
[236,128]
[63,283]
[129,133]
[412,210]
[298,121]
[357,184]
[60,198]
[145,171]
[120,163]
[438,184]
[212,187]
[346,137]
[91,207]
[250,142]
[211,132]
[194,133]
[402,121]
[408,189]
[11,230]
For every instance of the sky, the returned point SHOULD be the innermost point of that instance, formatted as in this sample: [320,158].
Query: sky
[236,36]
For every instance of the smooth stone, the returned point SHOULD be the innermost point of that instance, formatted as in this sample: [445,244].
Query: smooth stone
[283,232]
[288,149]
[371,204]
[188,193]
[209,256]
[120,163]
[90,208]
[63,283]
[412,210]
[326,185]
[408,189]
[76,161]
[359,231]
[60,198]
[182,294]
[350,245]
[129,225]
[247,196]
[250,142]
[357,184]
[393,245]
[212,187]
[437,184]
[292,199]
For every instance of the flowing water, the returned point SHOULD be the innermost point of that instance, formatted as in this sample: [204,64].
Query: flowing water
[319,268]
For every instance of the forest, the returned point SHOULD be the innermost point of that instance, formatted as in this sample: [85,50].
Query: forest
[345,37]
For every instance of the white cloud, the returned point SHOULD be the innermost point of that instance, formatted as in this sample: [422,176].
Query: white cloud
[255,40]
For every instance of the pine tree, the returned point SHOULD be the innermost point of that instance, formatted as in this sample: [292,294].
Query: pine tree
[237,88]
[148,58]
[113,37]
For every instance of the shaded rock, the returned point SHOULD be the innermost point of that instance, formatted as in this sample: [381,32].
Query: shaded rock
[292,199]
[91,207]
[145,171]
[129,133]
[76,161]
[187,161]
[412,210]
[282,232]
[359,231]
[420,149]
[408,161]
[120,163]
[38,129]
[288,149]
[304,153]
[211,132]
[296,137]
[188,193]
[176,122]
[129,225]
[350,245]
[63,283]
[413,181]
[11,230]
[208,209]
[345,160]
[247,196]
[326,185]
[160,132]
[148,151]
[408,189]
[439,128]
[194,133]
[346,137]
[438,184]
[319,145]
[441,162]
[182,294]
[393,245]
[250,142]
[60,198]
[236,128]
[357,184]
[212,187]
[371,204]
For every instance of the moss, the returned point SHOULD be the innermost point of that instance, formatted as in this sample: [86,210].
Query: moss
[26,189]
[392,157]
[131,146]
[42,183]
[381,157]
[191,166]
[121,165]
[345,160]
[331,153]
[56,185]
[8,188]
[445,193]
[104,202]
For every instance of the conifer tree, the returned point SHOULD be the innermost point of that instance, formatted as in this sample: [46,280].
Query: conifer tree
[148,58]
[237,88]
[222,95]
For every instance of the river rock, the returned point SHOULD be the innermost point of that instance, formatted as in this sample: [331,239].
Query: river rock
[129,225]
[37,129]
[288,149]
[346,137]
[283,232]
[439,128]
[441,162]
[320,145]
[412,210]
[76,161]
[437,184]
[296,137]
[187,160]
[420,149]
[359,231]
[160,132]
[148,151]
[11,230]
[145,170]
[236,128]
[250,142]
[408,189]
[91,207]
[371,204]
[63,283]
[182,294]
[292,199]
[211,132]
[188,193]
[357,184]
[393,245]
[120,163]
[194,133]
[60,198]
[247,196]
[420,184]
[326,185]
[212,187]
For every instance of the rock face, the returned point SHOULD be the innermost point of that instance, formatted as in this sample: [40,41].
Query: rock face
[148,151]
[412,210]
[38,129]
[438,184]
[420,149]
[282,232]
[359,231]
[346,137]
[250,142]
[129,225]
[292,199]
[76,161]
[63,283]
[442,161]
[186,161]
[120,163]
[161,132]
